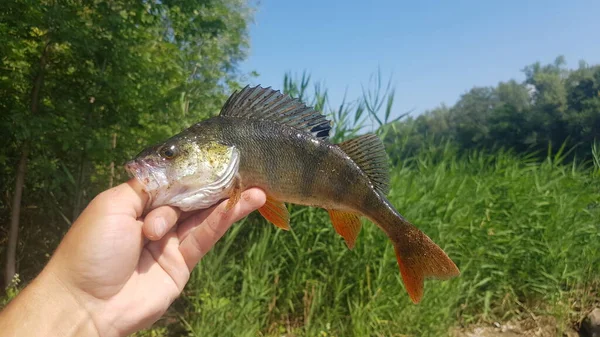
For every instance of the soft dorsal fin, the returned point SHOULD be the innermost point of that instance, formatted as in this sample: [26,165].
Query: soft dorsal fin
[368,152]
[269,104]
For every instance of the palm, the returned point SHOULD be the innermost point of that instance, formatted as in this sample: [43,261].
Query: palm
[124,271]
[130,279]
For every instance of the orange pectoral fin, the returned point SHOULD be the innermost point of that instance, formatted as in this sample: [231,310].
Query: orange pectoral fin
[276,212]
[234,195]
[347,225]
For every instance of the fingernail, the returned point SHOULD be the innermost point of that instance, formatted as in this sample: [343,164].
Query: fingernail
[160,226]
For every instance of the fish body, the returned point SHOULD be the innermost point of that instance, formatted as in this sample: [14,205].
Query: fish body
[292,166]
[267,140]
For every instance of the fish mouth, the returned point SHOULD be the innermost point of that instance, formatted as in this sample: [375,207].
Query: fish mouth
[144,173]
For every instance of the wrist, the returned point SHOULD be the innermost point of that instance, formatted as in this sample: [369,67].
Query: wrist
[46,307]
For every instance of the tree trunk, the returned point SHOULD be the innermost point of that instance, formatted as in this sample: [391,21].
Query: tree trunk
[112,163]
[13,235]
[79,186]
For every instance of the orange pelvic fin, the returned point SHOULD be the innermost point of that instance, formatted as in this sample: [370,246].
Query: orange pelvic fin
[419,258]
[346,224]
[276,212]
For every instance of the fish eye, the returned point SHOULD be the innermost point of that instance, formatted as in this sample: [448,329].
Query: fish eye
[169,152]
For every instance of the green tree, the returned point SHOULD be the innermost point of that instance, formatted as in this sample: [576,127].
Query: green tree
[551,107]
[514,94]
[547,121]
[508,123]
[85,85]
[583,99]
[470,116]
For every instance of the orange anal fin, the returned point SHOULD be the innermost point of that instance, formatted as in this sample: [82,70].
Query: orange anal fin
[234,195]
[276,212]
[412,278]
[419,258]
[346,224]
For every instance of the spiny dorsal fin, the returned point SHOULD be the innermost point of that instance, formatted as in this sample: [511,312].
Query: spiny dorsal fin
[368,152]
[270,104]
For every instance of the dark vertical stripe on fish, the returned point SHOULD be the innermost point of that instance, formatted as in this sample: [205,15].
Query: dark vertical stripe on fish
[309,174]
[344,172]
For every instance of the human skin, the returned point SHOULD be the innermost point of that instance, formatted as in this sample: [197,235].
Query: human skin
[114,272]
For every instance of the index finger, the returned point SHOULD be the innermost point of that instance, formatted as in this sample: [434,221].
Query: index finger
[159,221]
[204,231]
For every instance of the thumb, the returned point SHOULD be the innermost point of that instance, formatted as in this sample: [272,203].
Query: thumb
[127,198]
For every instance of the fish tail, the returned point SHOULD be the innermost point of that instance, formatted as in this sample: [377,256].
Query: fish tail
[418,256]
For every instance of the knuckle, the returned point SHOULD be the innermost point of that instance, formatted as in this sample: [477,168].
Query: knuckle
[196,242]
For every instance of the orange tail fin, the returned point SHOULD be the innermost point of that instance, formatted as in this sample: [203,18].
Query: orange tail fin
[419,258]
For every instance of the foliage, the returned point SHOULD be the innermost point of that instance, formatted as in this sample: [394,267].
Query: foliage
[11,291]
[552,107]
[109,77]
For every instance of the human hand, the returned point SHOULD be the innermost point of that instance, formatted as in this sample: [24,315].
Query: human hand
[122,272]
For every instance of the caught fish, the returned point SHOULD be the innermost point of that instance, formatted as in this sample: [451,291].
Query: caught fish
[263,138]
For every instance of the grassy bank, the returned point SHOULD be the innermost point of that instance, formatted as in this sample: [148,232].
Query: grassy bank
[525,235]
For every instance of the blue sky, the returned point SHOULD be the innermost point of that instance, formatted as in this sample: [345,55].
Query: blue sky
[435,50]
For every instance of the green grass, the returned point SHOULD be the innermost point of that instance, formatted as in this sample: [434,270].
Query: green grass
[525,235]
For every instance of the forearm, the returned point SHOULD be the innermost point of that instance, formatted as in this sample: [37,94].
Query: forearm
[46,308]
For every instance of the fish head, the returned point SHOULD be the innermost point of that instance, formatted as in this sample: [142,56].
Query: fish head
[185,171]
